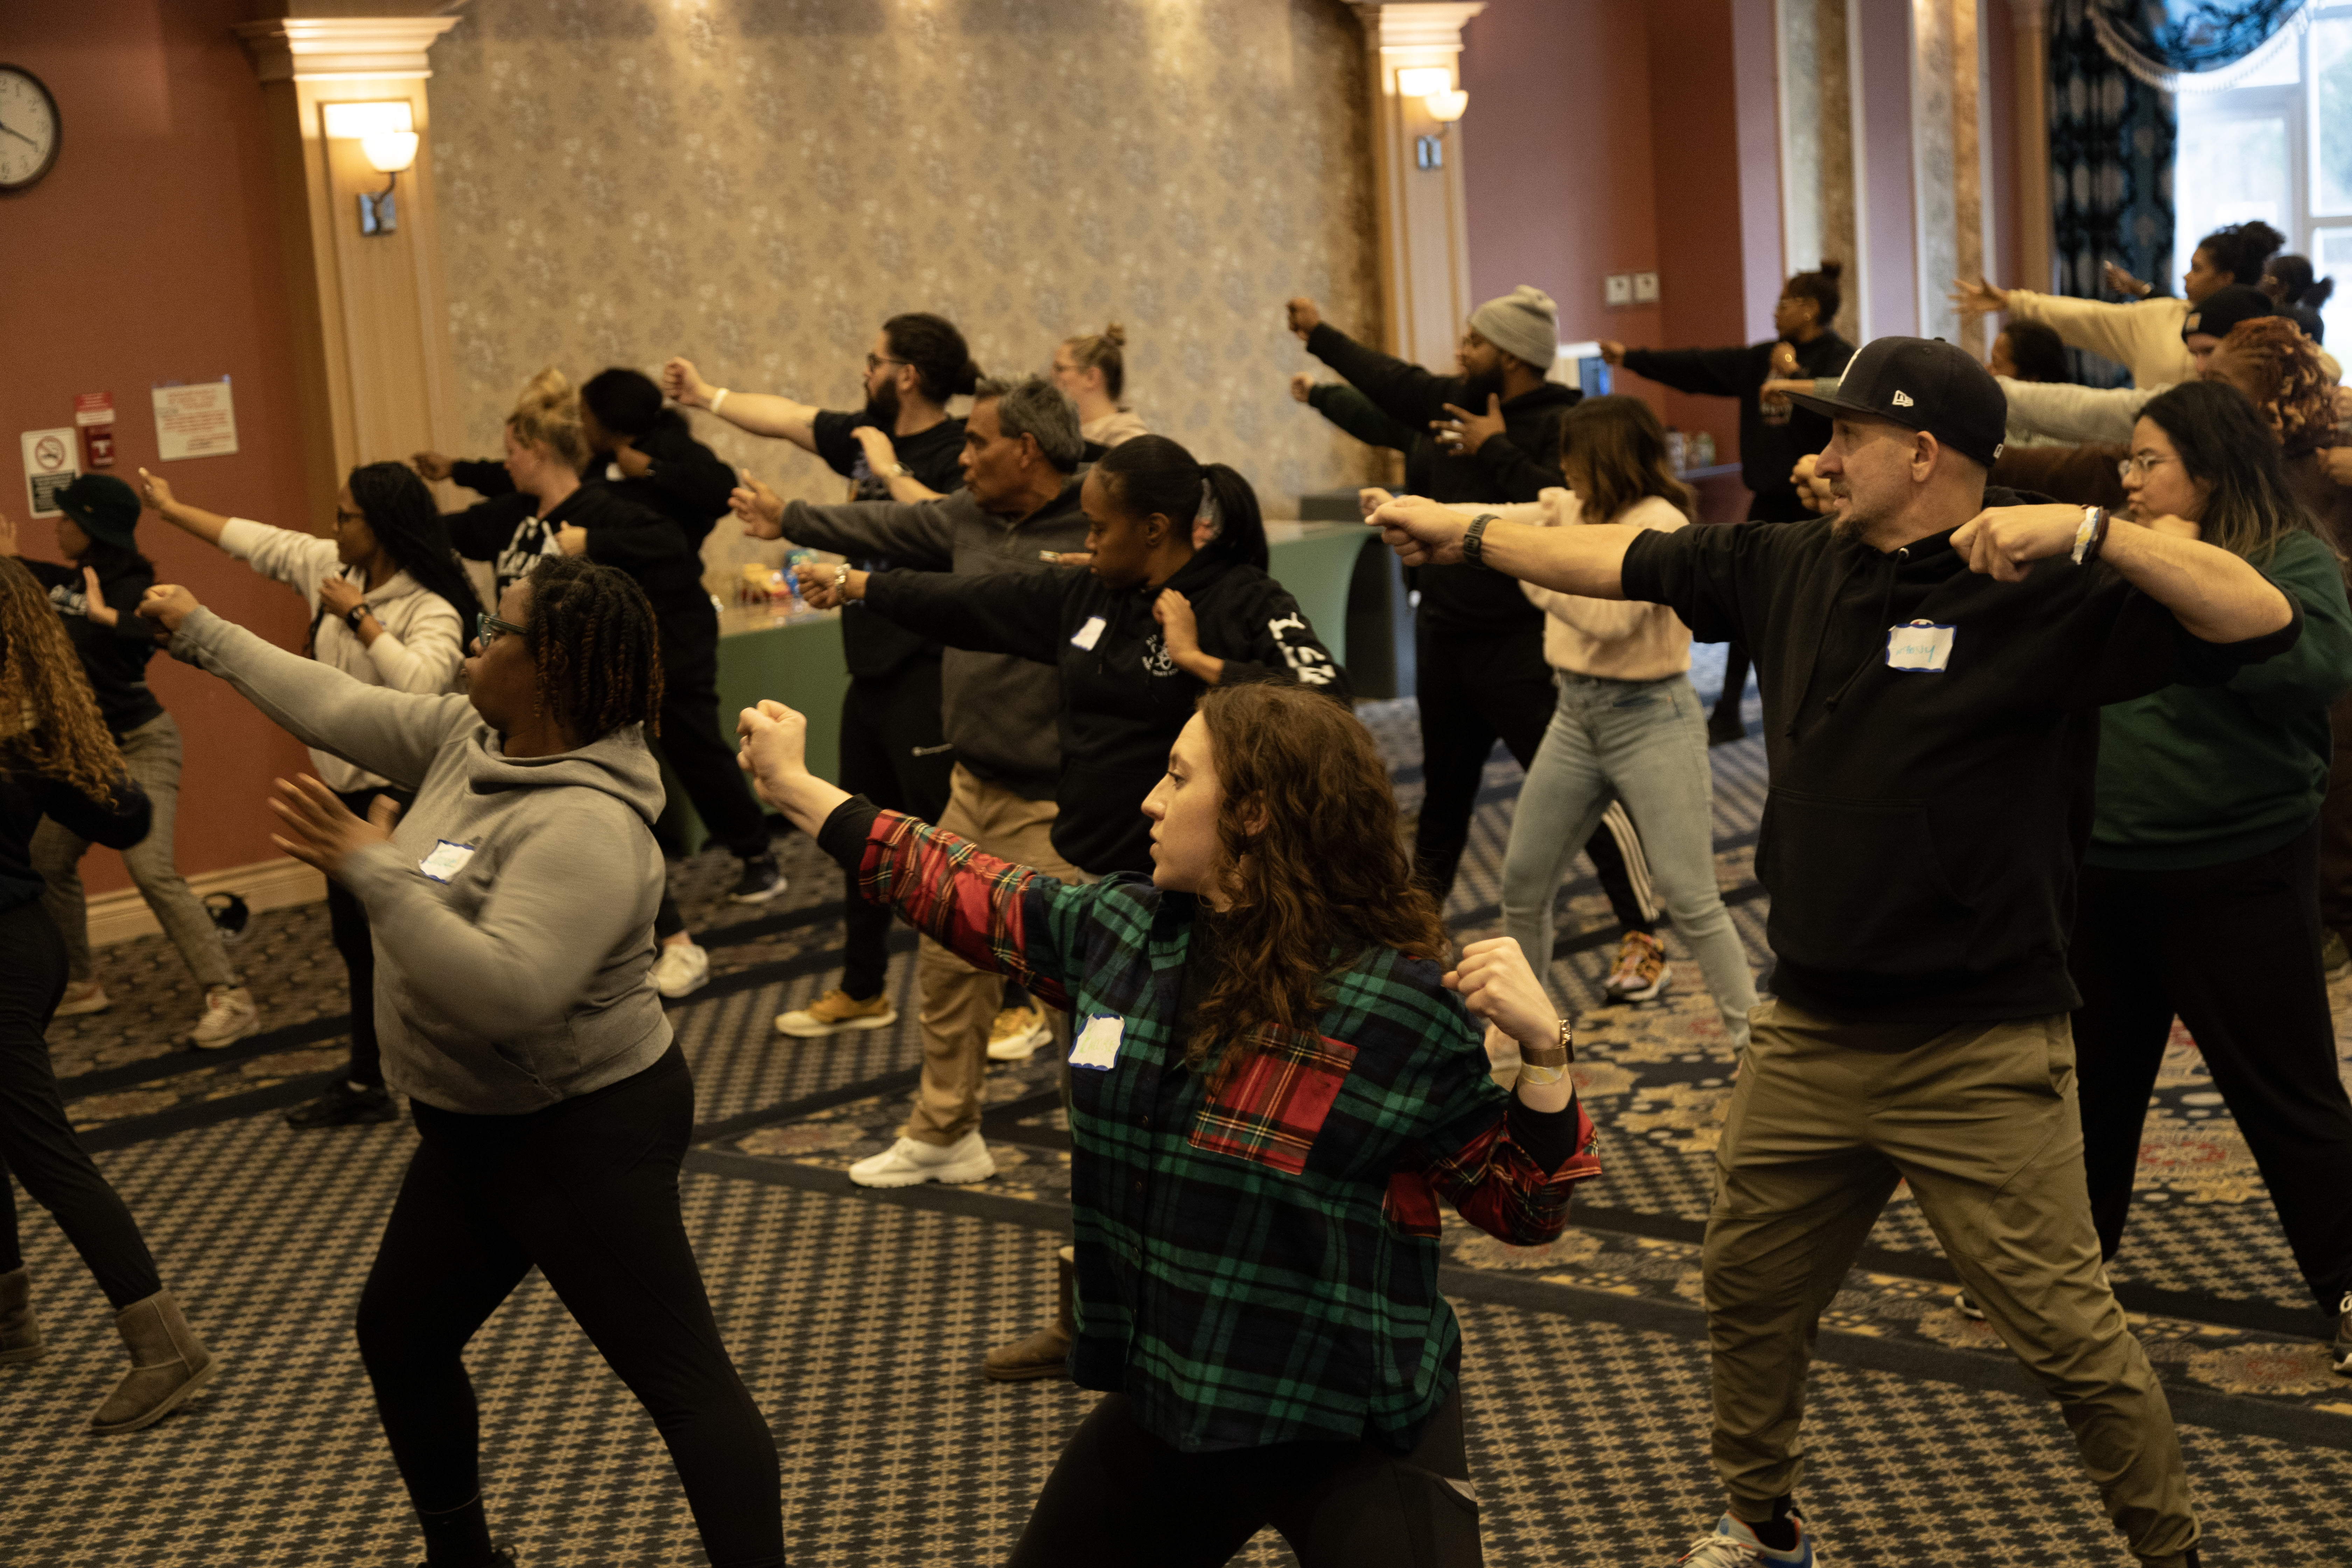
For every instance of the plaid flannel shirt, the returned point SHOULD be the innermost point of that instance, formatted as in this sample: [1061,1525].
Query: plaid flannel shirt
[1260,1266]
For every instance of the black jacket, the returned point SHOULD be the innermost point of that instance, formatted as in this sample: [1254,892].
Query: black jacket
[1769,445]
[26,798]
[114,658]
[1516,465]
[507,532]
[1922,831]
[1123,698]
[688,483]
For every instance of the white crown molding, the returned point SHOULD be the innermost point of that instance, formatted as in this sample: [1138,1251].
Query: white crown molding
[1416,26]
[337,48]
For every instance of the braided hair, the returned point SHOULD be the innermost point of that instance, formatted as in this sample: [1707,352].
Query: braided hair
[592,637]
[401,513]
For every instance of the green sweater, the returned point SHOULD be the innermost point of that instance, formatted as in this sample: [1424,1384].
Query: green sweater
[2196,775]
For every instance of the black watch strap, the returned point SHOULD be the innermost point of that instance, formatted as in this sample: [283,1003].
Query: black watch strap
[359,614]
[1474,543]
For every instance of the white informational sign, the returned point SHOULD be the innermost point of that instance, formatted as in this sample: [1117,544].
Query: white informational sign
[194,421]
[52,461]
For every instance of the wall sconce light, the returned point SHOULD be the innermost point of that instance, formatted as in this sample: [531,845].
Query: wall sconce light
[389,154]
[386,133]
[1443,102]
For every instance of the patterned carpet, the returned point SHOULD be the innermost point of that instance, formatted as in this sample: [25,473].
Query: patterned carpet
[858,1318]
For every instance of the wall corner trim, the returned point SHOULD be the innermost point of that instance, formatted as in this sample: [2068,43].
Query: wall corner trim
[336,49]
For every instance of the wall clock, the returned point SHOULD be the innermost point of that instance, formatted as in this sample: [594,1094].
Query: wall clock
[30,129]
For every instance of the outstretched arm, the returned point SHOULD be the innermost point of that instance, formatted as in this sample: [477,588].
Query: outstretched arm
[157,493]
[2217,596]
[761,413]
[1588,560]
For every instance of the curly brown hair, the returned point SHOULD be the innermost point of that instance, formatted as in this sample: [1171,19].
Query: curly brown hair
[1311,860]
[55,730]
[2278,369]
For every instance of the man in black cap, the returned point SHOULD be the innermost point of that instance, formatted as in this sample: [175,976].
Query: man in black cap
[1931,675]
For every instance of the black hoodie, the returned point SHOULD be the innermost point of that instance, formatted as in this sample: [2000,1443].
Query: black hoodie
[1123,698]
[1922,831]
[1516,465]
[688,482]
[1771,441]
[507,532]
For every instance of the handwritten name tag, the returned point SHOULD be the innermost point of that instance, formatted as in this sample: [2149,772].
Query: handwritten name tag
[1097,1046]
[447,860]
[1920,645]
[1089,634]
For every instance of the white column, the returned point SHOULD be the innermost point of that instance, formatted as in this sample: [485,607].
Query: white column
[1424,231]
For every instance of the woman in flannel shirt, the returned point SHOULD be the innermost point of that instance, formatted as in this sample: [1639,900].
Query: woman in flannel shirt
[1274,1080]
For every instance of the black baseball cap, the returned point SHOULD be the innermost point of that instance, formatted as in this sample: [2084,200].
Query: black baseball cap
[2225,308]
[1925,384]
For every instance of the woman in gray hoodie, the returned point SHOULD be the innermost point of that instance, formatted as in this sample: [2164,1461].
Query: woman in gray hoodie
[513,907]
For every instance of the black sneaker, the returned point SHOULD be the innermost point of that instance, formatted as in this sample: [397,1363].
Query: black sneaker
[759,882]
[346,1105]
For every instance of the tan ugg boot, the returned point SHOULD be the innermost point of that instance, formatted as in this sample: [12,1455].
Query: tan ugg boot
[168,1364]
[20,1334]
[1046,1352]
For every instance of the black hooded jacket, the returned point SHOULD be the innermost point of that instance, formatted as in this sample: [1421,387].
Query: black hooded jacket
[688,483]
[1517,465]
[1770,440]
[1923,828]
[1123,698]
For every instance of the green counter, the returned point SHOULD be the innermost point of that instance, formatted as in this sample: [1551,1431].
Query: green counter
[795,658]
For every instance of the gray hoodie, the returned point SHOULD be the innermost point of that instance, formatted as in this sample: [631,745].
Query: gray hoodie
[998,710]
[513,909]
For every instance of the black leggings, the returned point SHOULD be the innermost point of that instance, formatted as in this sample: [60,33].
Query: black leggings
[587,1190]
[893,754]
[37,1142]
[347,928]
[1120,1495]
[2233,949]
[696,746]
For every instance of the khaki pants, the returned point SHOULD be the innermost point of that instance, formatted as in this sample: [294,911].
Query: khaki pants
[1981,1120]
[956,1003]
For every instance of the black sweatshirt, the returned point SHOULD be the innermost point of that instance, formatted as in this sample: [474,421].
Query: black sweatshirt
[114,658]
[1922,831]
[1769,446]
[509,532]
[26,798]
[871,647]
[1516,465]
[1123,698]
[688,483]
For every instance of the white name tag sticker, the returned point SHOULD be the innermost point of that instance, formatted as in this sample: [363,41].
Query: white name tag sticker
[1089,634]
[1921,645]
[1097,1044]
[447,860]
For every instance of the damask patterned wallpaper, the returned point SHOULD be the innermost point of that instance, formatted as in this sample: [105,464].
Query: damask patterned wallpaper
[757,184]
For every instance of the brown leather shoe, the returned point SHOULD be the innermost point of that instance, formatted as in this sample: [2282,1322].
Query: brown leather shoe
[168,1364]
[1046,1352]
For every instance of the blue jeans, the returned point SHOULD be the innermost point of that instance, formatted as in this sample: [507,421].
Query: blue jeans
[1645,742]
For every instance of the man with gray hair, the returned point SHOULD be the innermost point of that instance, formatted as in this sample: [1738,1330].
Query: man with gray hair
[1017,513]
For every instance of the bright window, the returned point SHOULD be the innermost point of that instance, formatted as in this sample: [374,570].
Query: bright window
[2277,147]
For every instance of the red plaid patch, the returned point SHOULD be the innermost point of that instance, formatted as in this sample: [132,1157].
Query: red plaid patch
[1411,1206]
[1271,1110]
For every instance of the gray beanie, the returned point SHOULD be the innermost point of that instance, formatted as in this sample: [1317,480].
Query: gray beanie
[1524,324]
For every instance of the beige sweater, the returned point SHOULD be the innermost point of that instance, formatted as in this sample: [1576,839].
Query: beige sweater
[1616,639]
[2144,336]
[1120,425]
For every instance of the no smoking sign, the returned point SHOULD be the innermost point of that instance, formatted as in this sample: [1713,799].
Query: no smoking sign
[52,463]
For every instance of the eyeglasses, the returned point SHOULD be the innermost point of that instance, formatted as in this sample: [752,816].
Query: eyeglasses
[342,517]
[488,628]
[2137,466]
[875,362]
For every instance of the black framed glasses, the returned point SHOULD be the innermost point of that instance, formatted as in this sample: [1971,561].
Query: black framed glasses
[488,628]
[875,362]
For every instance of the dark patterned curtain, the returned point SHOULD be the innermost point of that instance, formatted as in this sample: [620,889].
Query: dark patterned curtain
[2112,129]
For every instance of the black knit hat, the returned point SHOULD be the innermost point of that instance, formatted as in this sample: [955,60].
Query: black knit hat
[2225,308]
[1925,384]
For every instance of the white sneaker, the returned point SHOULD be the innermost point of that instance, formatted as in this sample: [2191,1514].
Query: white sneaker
[907,1162]
[83,997]
[1733,1544]
[1016,1034]
[229,1017]
[681,968]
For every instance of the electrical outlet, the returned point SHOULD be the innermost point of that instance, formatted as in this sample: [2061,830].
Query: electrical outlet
[1645,288]
[1617,289]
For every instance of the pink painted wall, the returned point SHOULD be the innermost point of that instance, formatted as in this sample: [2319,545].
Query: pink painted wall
[151,254]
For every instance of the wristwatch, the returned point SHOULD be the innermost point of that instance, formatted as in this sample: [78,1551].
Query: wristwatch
[897,471]
[1474,543]
[359,614]
[1548,1064]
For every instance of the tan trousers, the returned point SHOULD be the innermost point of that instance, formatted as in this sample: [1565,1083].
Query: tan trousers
[956,1003]
[1981,1120]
